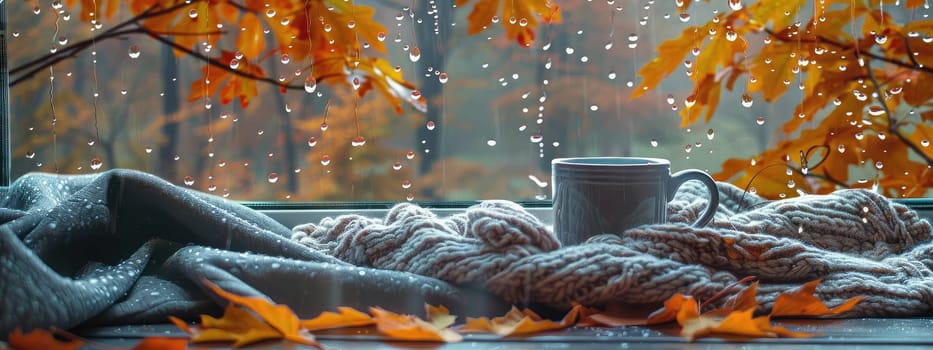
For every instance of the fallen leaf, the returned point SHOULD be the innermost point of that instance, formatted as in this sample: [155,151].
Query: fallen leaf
[236,325]
[519,322]
[740,324]
[247,320]
[411,328]
[40,339]
[162,343]
[743,300]
[801,302]
[678,307]
[345,317]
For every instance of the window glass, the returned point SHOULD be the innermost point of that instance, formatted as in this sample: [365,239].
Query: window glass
[92,89]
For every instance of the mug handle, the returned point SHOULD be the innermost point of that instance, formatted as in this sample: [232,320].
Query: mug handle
[692,174]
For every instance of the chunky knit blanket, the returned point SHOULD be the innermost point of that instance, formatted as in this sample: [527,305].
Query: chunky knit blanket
[856,241]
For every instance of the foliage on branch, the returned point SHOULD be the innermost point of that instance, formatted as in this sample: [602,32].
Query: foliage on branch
[867,85]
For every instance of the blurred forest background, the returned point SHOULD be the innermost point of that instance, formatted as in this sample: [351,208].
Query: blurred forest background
[497,112]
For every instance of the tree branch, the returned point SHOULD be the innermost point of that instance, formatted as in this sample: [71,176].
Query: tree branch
[913,66]
[892,122]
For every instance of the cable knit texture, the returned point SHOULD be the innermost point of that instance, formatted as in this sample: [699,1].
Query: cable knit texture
[856,241]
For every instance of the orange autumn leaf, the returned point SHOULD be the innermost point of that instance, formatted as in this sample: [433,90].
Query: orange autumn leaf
[519,17]
[230,84]
[40,339]
[237,325]
[520,322]
[678,307]
[162,343]
[740,324]
[345,317]
[247,320]
[801,302]
[411,328]
[743,300]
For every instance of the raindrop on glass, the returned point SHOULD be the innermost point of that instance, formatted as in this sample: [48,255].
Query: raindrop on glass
[310,84]
[193,14]
[358,141]
[397,166]
[312,141]
[410,154]
[96,163]
[491,142]
[325,160]
[535,138]
[273,178]
[747,101]
[760,120]
[406,184]
[30,154]
[430,125]
[134,51]
[654,142]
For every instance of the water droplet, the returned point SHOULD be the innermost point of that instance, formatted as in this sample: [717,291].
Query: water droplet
[875,110]
[96,163]
[406,184]
[491,142]
[747,101]
[310,84]
[324,126]
[924,143]
[270,13]
[791,184]
[415,54]
[273,178]
[148,149]
[193,14]
[189,180]
[688,148]
[710,134]
[381,36]
[690,101]
[859,136]
[760,120]
[410,155]
[535,138]
[654,142]
[30,154]
[735,5]
[234,63]
[410,197]
[134,51]
[430,125]
[285,58]
[312,141]
[397,166]
[612,75]
[594,108]
[325,160]
[442,78]
[881,39]
[685,17]
[879,165]
[731,35]
[415,94]
[351,24]
[841,148]
[358,141]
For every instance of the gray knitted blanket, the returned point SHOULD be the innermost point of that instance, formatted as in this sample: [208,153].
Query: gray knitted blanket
[856,241]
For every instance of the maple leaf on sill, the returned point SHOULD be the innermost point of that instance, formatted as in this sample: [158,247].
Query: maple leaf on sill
[800,301]
[519,322]
[412,328]
[736,324]
[247,320]
[40,339]
[678,307]
[344,317]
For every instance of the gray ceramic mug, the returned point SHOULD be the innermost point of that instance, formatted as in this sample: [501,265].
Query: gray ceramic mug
[595,195]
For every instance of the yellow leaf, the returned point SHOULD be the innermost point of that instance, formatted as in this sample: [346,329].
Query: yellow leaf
[251,40]
[772,67]
[347,317]
[801,302]
[279,317]
[519,322]
[440,316]
[779,13]
[411,328]
[670,54]
[672,310]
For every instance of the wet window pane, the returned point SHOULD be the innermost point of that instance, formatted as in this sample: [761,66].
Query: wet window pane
[446,114]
